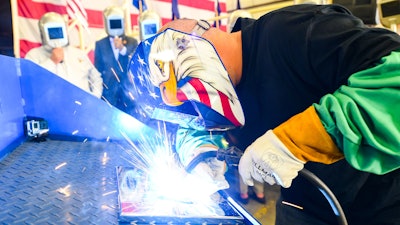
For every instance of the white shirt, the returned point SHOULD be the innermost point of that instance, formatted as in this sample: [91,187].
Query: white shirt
[116,50]
[75,68]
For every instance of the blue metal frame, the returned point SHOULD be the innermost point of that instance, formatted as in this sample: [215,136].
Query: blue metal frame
[29,90]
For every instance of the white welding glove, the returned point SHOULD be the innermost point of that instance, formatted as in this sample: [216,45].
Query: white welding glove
[268,159]
[212,172]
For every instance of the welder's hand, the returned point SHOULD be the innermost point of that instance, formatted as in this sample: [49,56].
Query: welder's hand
[212,171]
[268,159]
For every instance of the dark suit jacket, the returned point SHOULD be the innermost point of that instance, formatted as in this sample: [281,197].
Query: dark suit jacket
[114,72]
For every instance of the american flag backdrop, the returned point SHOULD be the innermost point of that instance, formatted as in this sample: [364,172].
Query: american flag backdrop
[76,10]
[88,13]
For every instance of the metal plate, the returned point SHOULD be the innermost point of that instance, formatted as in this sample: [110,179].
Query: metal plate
[135,208]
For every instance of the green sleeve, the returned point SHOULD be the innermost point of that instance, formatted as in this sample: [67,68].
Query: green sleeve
[190,142]
[363,117]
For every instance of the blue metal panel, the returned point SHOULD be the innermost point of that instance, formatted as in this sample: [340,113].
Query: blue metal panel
[70,111]
[11,111]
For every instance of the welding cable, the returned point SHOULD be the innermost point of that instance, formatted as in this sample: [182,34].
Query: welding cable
[230,155]
[323,188]
[311,177]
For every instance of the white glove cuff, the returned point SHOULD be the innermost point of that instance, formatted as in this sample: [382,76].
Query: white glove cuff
[278,159]
[277,143]
[267,159]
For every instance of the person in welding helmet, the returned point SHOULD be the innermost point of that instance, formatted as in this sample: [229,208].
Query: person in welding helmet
[68,62]
[257,191]
[317,89]
[112,54]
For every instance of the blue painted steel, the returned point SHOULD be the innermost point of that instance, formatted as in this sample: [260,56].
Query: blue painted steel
[11,111]
[70,111]
[27,89]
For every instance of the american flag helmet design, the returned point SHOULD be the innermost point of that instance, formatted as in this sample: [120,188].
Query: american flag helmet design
[178,77]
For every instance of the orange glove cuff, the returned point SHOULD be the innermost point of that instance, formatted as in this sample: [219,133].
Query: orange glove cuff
[306,138]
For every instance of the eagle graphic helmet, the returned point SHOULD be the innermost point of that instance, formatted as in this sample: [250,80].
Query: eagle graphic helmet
[178,77]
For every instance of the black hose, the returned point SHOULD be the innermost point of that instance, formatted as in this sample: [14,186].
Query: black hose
[198,159]
[335,205]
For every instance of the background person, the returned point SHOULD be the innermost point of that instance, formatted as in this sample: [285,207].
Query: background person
[57,56]
[257,192]
[112,55]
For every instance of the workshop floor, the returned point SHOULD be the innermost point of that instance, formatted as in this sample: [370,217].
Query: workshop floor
[62,182]
[264,213]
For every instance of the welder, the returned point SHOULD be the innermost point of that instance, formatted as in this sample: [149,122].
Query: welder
[316,87]
[203,106]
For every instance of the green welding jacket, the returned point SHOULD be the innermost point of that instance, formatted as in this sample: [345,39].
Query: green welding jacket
[363,117]
[360,120]
[294,57]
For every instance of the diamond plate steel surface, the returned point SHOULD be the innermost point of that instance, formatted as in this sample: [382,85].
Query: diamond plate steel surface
[61,182]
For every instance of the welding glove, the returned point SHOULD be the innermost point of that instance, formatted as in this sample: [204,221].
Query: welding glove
[279,154]
[267,159]
[212,170]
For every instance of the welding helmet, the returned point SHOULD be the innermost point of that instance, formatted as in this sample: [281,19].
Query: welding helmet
[53,30]
[149,24]
[179,78]
[114,21]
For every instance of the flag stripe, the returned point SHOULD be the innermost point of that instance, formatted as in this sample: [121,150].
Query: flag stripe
[210,5]
[201,91]
[30,11]
[28,29]
[76,6]
[27,45]
[193,3]
[95,18]
[227,107]
[72,10]
[34,10]
[204,93]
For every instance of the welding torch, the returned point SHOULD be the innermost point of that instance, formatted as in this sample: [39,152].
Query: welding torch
[232,156]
